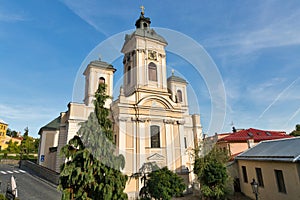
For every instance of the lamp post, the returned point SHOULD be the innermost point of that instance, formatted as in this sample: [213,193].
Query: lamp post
[254,186]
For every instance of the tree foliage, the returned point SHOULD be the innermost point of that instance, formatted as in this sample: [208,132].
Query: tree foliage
[92,170]
[296,132]
[28,144]
[212,174]
[162,184]
[13,147]
[12,133]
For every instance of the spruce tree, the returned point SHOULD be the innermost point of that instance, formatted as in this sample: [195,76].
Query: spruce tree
[92,170]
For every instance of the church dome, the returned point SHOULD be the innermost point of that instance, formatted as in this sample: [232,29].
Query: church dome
[174,78]
[143,30]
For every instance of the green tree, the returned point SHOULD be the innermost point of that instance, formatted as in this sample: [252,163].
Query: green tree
[12,147]
[296,132]
[36,144]
[162,184]
[11,133]
[93,168]
[28,143]
[212,174]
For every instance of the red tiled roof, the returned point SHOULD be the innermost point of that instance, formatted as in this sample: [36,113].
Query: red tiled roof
[256,134]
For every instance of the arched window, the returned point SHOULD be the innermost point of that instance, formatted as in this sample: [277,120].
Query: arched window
[179,96]
[101,80]
[152,72]
[155,136]
[128,75]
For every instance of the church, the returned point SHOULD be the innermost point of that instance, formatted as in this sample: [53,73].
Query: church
[151,118]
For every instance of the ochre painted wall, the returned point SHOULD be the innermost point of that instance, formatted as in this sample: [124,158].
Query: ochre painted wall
[270,189]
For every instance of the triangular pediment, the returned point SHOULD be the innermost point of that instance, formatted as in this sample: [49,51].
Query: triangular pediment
[156,156]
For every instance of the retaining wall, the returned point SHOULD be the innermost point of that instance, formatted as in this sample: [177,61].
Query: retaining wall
[40,171]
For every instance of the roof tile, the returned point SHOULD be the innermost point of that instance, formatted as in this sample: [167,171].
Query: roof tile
[256,134]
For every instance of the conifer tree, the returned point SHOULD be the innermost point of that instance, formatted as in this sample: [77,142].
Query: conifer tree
[92,170]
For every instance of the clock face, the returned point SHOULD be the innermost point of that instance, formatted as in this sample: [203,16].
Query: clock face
[152,55]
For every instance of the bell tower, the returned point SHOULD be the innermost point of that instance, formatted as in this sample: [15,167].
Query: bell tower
[144,59]
[98,72]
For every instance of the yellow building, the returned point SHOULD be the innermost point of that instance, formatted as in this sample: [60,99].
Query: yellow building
[275,166]
[3,129]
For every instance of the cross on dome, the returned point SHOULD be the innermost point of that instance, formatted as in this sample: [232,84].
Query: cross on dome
[142,10]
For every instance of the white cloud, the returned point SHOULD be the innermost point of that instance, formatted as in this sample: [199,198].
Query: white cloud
[95,14]
[276,32]
[5,17]
[25,112]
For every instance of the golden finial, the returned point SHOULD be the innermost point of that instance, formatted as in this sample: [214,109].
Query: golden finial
[142,10]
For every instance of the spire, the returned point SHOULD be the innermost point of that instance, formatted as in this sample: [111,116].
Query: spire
[143,22]
[142,10]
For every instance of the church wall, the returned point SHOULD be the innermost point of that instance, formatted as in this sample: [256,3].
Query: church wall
[129,151]
[132,188]
[177,148]
[49,139]
[73,127]
[79,111]
[62,141]
[197,129]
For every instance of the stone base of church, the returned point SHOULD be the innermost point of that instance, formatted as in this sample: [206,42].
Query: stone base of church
[133,195]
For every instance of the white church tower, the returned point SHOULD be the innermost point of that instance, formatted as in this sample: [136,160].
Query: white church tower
[144,59]
[150,116]
[98,72]
[152,121]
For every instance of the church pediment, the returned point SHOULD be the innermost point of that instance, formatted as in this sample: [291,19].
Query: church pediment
[155,102]
[156,157]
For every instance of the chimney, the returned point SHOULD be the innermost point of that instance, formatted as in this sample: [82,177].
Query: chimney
[250,143]
[233,129]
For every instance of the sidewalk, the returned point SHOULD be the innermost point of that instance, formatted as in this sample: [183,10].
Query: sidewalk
[239,196]
[236,196]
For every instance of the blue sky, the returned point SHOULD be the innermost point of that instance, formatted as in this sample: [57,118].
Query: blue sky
[255,45]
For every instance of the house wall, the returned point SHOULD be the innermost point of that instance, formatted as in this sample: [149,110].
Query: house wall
[270,189]
[234,147]
[3,129]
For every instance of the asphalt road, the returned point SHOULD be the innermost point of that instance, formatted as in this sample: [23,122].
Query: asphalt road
[29,187]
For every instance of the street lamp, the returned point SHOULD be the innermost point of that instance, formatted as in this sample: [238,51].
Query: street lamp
[254,186]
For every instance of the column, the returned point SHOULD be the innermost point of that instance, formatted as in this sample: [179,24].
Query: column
[169,145]
[122,139]
[182,148]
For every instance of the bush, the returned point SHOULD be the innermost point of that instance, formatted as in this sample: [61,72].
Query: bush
[212,174]
[162,184]
[2,197]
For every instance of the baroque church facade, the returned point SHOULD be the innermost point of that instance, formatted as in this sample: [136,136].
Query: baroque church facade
[150,116]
